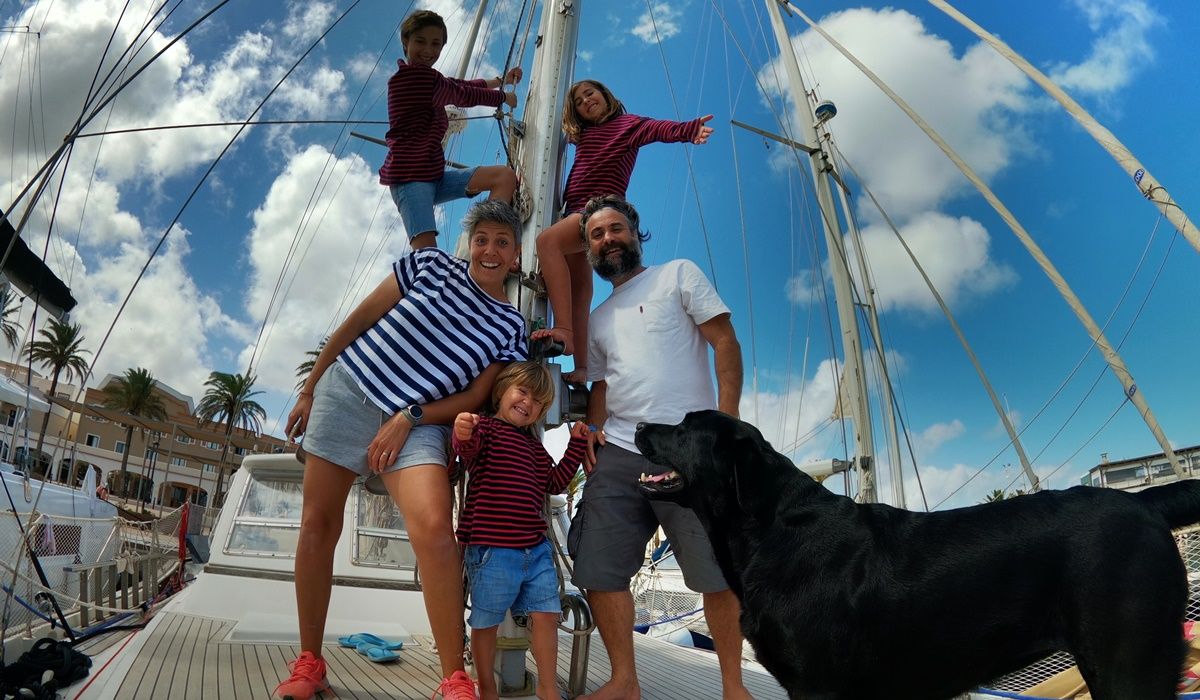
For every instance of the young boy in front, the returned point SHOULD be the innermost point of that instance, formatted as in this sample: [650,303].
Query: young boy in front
[509,561]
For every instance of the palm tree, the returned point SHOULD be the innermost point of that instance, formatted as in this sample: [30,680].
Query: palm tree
[133,394]
[58,351]
[228,400]
[9,308]
[305,368]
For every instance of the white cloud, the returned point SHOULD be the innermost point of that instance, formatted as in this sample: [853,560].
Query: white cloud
[343,247]
[969,99]
[665,19]
[954,252]
[308,20]
[1120,48]
[930,439]
[166,323]
[972,99]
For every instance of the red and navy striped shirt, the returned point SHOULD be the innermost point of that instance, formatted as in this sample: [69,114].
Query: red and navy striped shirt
[510,475]
[605,154]
[417,97]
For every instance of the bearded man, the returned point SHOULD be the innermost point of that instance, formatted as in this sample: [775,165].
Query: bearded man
[648,362]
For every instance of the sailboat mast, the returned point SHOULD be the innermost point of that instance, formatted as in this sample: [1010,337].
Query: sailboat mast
[538,144]
[465,61]
[854,377]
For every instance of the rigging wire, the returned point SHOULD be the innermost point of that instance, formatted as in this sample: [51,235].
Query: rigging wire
[1078,364]
[204,177]
[42,175]
[785,126]
[687,149]
[1124,336]
[281,290]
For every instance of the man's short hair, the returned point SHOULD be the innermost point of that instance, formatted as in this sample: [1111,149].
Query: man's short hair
[495,211]
[618,205]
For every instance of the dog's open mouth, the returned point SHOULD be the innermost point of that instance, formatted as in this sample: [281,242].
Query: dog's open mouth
[667,482]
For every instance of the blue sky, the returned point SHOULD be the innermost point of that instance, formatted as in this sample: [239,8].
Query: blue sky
[205,296]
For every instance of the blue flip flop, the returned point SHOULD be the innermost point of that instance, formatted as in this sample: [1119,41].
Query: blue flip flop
[377,654]
[356,640]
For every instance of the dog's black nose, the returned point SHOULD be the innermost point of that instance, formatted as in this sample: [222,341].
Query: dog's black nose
[640,426]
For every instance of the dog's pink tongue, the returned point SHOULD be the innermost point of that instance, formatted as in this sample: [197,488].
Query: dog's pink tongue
[655,478]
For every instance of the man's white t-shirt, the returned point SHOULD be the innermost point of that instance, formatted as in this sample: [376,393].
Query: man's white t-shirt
[645,343]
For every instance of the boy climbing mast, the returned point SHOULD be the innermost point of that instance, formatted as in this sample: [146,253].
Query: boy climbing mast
[415,168]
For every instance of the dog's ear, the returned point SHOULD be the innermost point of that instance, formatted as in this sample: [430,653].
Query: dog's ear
[745,453]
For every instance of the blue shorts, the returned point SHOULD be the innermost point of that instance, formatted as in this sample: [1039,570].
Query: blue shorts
[343,422]
[415,200]
[508,578]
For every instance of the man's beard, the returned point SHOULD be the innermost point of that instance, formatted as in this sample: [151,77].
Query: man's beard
[609,268]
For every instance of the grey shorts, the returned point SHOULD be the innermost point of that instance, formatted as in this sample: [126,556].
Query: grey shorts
[343,422]
[614,522]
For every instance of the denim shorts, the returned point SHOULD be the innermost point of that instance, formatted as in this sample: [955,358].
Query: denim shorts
[343,422]
[510,578]
[415,200]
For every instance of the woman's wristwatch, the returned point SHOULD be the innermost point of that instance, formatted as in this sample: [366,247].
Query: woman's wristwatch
[414,414]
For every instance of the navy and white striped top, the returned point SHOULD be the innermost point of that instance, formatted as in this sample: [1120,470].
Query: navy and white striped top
[442,334]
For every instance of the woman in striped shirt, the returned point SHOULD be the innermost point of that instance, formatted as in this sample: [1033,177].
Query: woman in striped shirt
[606,141]
[423,347]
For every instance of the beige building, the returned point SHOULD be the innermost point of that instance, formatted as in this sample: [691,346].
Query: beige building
[170,461]
[1142,472]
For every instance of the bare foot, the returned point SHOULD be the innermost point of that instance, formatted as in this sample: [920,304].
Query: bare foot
[613,691]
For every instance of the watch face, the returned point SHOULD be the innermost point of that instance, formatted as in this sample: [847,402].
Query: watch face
[416,412]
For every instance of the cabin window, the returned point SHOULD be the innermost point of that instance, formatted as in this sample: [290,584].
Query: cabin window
[267,523]
[381,539]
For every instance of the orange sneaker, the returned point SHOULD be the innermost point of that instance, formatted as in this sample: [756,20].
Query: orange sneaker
[458,686]
[307,679]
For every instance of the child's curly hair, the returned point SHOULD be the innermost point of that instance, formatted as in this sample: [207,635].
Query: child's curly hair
[420,20]
[531,375]
[572,125]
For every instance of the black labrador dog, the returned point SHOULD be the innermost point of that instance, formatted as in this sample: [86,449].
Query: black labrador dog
[849,601]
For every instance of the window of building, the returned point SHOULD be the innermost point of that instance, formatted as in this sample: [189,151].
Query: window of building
[178,461]
[92,440]
[210,468]
[239,451]
[212,445]
[184,439]
[120,448]
[11,419]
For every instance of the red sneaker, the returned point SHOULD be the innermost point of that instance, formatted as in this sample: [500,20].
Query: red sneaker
[458,686]
[307,679]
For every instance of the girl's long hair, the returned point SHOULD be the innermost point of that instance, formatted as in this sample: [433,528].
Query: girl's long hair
[572,125]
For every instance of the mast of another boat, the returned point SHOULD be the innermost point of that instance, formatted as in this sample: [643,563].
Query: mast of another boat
[854,377]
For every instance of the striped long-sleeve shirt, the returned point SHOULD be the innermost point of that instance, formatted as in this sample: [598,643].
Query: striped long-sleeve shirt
[510,475]
[417,97]
[605,155]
